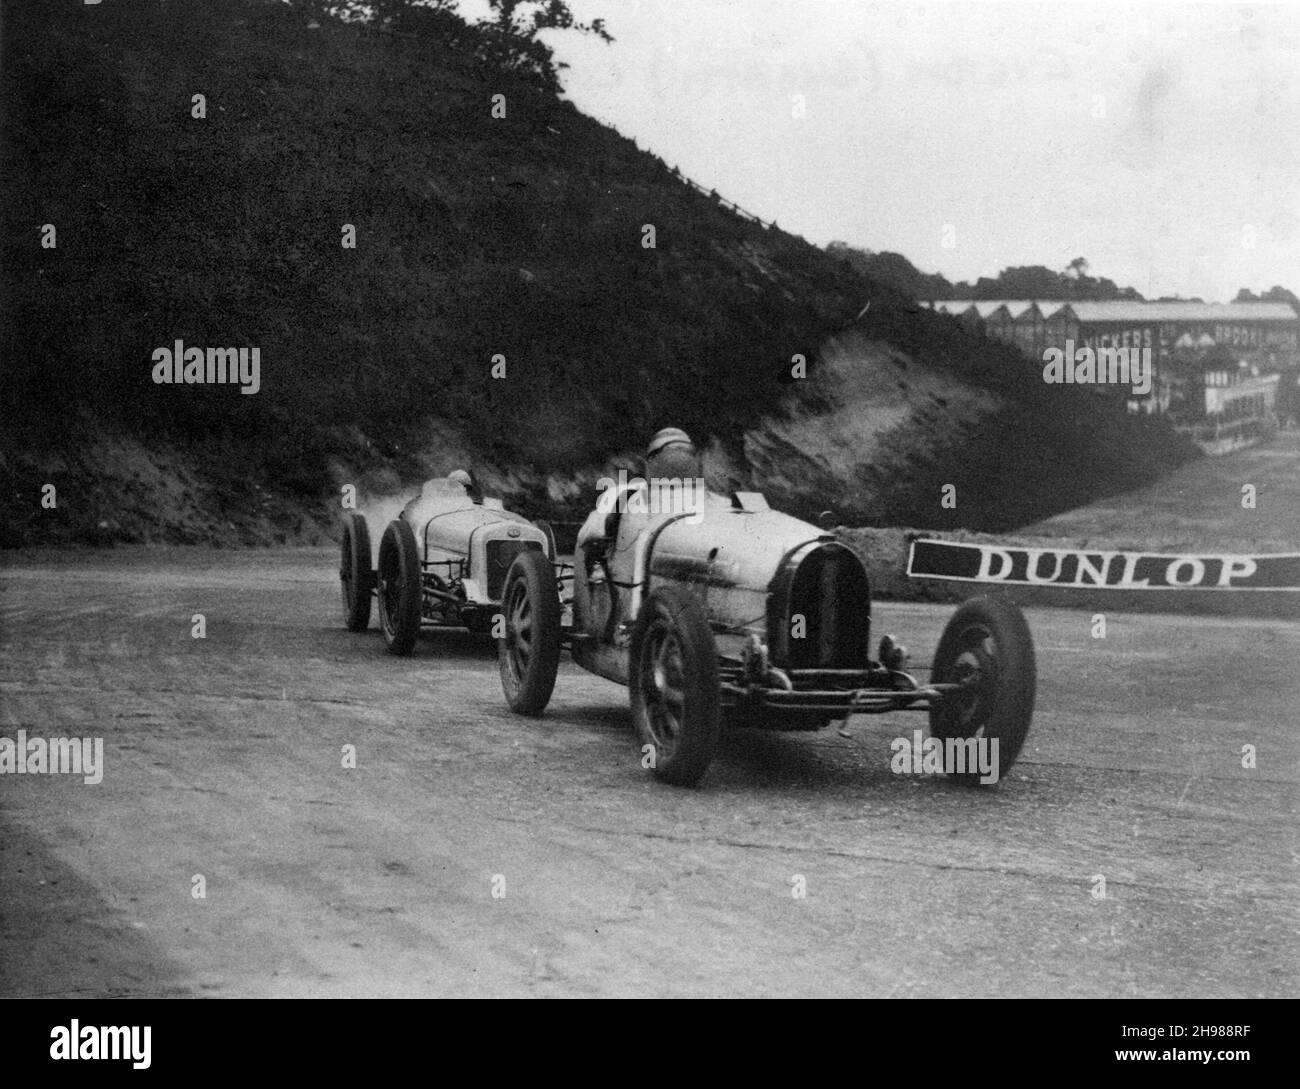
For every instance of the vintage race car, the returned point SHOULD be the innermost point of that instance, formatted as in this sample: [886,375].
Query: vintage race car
[737,614]
[442,561]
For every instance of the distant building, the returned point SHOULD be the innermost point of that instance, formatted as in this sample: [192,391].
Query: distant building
[1216,365]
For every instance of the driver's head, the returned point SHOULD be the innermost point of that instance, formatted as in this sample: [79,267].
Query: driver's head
[459,476]
[672,454]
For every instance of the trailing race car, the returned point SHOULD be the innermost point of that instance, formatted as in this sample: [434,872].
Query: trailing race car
[442,562]
[730,612]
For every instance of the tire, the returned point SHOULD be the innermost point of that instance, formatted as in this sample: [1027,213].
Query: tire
[987,645]
[546,528]
[399,587]
[673,676]
[355,575]
[529,653]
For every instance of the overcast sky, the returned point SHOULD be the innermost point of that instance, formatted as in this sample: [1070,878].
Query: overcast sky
[1159,141]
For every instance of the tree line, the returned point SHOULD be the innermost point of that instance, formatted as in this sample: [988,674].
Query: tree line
[508,39]
[1070,284]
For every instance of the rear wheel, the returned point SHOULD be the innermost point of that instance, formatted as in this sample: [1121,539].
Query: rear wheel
[673,676]
[987,649]
[529,653]
[399,587]
[355,575]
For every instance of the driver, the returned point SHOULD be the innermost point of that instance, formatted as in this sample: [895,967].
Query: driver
[670,460]
[671,455]
[461,477]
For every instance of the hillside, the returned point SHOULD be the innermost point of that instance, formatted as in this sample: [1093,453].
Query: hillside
[1200,506]
[476,237]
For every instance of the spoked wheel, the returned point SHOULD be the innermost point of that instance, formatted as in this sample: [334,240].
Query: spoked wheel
[986,648]
[355,576]
[529,653]
[399,587]
[674,681]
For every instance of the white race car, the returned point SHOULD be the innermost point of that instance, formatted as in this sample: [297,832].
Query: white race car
[442,561]
[737,614]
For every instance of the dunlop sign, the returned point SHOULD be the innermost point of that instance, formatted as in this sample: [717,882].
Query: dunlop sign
[1086,569]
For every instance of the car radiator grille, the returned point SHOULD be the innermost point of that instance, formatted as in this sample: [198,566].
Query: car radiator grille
[500,555]
[831,598]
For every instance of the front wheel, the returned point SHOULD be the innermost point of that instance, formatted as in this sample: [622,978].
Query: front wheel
[399,587]
[528,653]
[985,648]
[673,675]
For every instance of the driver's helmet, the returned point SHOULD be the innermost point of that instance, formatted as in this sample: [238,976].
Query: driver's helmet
[671,454]
[459,476]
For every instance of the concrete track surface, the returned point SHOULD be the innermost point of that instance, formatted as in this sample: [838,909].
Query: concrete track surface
[223,758]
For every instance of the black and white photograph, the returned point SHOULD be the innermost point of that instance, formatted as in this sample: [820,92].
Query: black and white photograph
[650,499]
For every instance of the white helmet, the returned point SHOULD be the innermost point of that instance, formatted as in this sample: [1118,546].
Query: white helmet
[671,454]
[668,436]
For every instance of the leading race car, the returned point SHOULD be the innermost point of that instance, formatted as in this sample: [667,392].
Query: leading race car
[716,609]
[441,562]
